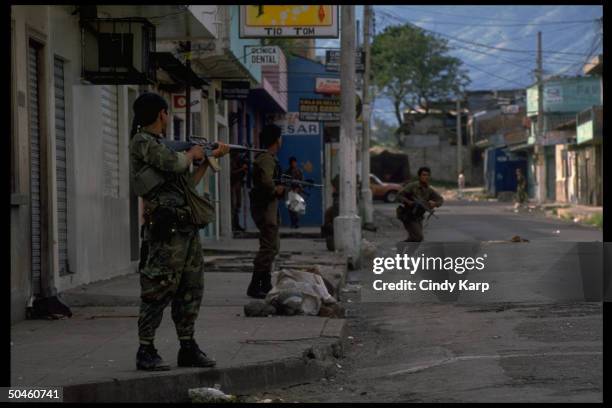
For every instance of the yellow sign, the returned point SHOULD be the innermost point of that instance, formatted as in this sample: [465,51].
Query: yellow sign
[289,16]
[303,21]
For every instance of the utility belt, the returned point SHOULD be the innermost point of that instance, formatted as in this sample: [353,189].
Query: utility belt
[163,220]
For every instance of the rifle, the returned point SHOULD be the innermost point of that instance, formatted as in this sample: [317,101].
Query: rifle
[209,147]
[288,181]
[420,204]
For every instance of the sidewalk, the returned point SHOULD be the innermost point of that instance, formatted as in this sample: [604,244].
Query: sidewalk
[92,355]
[583,214]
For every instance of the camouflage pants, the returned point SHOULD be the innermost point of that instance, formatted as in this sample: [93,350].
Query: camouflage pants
[521,195]
[414,227]
[267,220]
[173,273]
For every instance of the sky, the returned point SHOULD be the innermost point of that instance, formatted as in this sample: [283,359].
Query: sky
[569,35]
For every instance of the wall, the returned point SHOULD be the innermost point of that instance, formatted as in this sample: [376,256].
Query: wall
[441,159]
[97,249]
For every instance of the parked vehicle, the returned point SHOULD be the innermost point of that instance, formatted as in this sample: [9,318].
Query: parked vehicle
[383,191]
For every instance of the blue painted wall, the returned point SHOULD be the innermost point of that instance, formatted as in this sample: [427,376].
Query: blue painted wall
[308,150]
[501,170]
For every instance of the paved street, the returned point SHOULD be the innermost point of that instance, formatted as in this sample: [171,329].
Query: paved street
[435,351]
[492,221]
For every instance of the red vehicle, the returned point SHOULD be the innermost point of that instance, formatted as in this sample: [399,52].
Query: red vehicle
[383,191]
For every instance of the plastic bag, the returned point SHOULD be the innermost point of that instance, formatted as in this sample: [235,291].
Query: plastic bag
[296,203]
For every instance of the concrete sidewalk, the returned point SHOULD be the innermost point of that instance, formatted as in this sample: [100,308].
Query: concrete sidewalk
[92,355]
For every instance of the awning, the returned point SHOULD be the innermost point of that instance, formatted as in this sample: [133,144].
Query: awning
[179,73]
[519,147]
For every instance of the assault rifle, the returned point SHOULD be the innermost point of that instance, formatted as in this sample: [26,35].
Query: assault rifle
[422,205]
[209,147]
[288,181]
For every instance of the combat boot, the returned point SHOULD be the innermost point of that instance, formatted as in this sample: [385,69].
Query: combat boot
[266,282]
[148,359]
[190,355]
[255,288]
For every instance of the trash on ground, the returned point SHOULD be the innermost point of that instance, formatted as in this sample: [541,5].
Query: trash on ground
[209,395]
[517,238]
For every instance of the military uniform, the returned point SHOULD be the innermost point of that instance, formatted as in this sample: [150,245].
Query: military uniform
[521,189]
[412,217]
[264,211]
[173,269]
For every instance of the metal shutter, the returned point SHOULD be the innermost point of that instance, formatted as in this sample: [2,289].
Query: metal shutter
[60,166]
[33,103]
[110,131]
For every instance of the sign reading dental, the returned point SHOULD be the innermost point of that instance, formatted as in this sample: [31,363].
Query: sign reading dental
[302,21]
[263,55]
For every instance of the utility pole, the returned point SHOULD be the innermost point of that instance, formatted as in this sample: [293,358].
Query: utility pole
[347,226]
[459,139]
[188,93]
[366,193]
[539,148]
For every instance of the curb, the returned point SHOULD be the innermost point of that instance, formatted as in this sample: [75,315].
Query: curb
[316,362]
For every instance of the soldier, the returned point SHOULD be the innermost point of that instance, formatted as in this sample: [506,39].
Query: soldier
[173,268]
[521,187]
[414,196]
[264,210]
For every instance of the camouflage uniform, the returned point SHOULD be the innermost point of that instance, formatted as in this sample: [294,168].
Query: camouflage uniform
[173,269]
[521,187]
[265,214]
[414,222]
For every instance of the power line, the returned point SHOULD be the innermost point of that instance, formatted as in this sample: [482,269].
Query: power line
[486,17]
[503,25]
[475,43]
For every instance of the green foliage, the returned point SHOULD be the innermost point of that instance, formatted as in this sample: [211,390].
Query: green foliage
[595,220]
[413,68]
[382,133]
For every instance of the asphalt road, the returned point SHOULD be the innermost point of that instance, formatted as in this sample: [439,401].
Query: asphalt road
[445,351]
[488,221]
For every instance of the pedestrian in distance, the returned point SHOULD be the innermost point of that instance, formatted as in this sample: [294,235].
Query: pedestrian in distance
[295,173]
[264,210]
[171,267]
[416,199]
[460,184]
[521,188]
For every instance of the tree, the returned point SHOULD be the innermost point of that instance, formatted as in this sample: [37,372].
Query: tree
[382,132]
[412,68]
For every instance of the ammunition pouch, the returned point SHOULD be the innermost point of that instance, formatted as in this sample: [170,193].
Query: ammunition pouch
[165,221]
[201,209]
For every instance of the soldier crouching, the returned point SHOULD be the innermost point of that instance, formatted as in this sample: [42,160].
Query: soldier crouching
[417,197]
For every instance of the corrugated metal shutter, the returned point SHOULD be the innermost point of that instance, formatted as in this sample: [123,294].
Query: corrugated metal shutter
[60,169]
[110,131]
[33,103]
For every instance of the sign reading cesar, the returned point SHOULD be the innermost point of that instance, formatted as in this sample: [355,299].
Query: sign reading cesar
[292,125]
